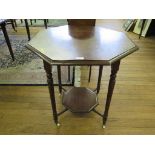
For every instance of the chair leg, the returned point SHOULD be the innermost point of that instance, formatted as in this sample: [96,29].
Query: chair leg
[7,40]
[27,29]
[31,21]
[45,23]
[21,21]
[13,25]
[15,22]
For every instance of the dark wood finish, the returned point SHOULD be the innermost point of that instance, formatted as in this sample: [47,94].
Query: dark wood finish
[13,23]
[81,22]
[112,81]
[69,73]
[59,78]
[27,29]
[31,21]
[45,23]
[73,76]
[26,110]
[99,79]
[48,70]
[79,100]
[81,45]
[3,24]
[14,20]
[90,68]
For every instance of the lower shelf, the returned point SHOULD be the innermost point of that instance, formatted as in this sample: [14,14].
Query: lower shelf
[79,99]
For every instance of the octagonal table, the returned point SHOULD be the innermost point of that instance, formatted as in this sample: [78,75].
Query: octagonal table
[82,45]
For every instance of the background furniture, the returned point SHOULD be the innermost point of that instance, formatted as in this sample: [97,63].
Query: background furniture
[28,29]
[81,46]
[2,25]
[13,22]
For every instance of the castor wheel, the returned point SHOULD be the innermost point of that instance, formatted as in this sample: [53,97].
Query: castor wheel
[58,124]
[103,126]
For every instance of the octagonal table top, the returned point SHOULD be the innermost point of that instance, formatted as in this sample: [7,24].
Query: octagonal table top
[81,45]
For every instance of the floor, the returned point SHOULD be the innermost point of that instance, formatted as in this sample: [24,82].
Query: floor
[27,109]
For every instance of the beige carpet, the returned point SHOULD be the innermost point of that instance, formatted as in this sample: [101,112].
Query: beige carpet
[27,68]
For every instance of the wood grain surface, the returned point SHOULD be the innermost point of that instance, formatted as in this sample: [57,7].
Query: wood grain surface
[27,110]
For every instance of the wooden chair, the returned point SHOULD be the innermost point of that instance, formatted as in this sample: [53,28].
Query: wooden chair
[45,22]
[82,22]
[12,22]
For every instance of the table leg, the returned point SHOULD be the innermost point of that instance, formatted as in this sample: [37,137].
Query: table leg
[59,78]
[114,70]
[27,29]
[68,73]
[90,68]
[48,69]
[99,78]
[7,40]
[73,76]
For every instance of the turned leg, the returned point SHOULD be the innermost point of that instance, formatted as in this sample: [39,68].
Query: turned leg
[99,78]
[68,73]
[48,69]
[114,70]
[27,29]
[59,78]
[7,40]
[73,76]
[90,67]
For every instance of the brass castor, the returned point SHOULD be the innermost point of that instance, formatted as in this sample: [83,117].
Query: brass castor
[103,126]
[58,124]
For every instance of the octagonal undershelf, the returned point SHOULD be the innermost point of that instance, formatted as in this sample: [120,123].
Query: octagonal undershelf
[79,99]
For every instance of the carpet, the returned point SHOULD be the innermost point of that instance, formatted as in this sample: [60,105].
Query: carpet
[27,69]
[40,23]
